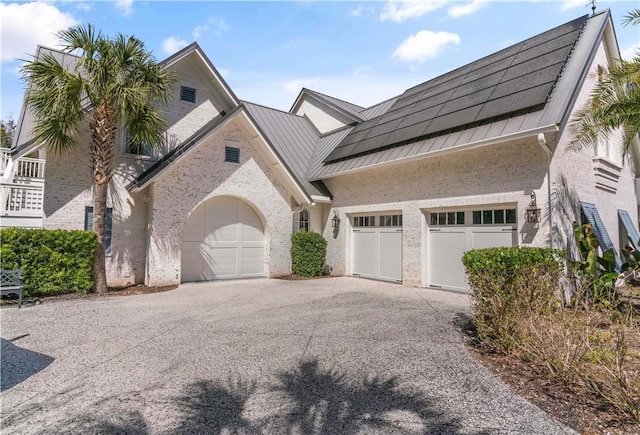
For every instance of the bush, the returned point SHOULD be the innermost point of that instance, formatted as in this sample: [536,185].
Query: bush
[53,261]
[507,283]
[308,253]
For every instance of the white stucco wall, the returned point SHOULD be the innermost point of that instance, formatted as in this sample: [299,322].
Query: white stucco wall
[495,175]
[204,174]
[322,116]
[576,180]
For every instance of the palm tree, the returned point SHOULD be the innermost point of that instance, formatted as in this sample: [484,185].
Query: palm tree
[115,82]
[614,102]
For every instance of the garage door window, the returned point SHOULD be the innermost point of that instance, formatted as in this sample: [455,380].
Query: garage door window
[447,218]
[364,221]
[394,220]
[490,217]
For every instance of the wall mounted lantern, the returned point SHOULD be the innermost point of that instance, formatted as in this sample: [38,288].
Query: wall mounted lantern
[335,221]
[533,212]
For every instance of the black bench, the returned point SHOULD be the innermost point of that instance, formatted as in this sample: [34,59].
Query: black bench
[11,282]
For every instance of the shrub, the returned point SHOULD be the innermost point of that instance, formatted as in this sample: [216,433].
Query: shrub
[507,283]
[53,261]
[308,252]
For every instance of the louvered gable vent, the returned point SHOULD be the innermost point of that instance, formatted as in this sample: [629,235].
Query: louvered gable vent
[231,155]
[187,94]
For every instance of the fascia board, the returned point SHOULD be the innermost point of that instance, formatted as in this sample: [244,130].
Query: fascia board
[533,133]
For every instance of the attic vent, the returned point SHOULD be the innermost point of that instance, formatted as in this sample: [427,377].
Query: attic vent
[187,94]
[231,155]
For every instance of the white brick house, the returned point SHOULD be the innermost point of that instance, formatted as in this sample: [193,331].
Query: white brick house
[415,181]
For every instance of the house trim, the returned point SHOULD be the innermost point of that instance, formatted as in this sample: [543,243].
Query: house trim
[534,132]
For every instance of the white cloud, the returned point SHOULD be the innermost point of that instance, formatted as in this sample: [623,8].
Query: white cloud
[357,11]
[572,4]
[44,20]
[401,10]
[199,30]
[631,52]
[217,26]
[85,7]
[425,45]
[460,10]
[172,44]
[125,7]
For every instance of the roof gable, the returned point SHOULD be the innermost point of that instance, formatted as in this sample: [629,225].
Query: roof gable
[350,110]
[511,82]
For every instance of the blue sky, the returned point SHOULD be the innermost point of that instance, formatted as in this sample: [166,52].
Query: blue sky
[363,52]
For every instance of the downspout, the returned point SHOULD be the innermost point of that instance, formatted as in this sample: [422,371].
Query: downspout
[552,191]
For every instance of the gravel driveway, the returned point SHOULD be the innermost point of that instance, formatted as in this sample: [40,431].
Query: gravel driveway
[338,355]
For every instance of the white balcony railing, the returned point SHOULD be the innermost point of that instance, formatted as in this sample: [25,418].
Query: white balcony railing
[21,199]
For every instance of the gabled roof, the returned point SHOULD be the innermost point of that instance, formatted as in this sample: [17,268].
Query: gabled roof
[294,138]
[524,90]
[194,49]
[350,110]
[517,79]
[23,139]
[291,138]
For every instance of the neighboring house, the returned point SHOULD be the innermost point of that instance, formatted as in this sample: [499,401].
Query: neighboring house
[400,189]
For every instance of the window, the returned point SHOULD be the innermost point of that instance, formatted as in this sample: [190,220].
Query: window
[143,149]
[394,220]
[231,155]
[602,148]
[364,221]
[489,217]
[88,225]
[303,220]
[187,94]
[447,218]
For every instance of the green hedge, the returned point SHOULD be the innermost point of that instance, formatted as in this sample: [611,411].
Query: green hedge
[308,253]
[507,283]
[53,261]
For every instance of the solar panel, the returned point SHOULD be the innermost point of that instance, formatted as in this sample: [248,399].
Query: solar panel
[520,77]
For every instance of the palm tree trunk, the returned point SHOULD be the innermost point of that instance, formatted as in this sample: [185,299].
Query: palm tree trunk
[103,135]
[99,227]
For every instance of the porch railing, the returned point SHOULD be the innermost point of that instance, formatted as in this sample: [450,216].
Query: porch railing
[21,200]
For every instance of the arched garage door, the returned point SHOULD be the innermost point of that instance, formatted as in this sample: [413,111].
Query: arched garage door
[223,238]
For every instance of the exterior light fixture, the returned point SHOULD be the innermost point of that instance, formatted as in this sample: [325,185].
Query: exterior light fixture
[335,221]
[533,212]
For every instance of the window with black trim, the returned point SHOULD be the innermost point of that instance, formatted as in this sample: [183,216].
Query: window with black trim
[232,154]
[447,218]
[490,217]
[303,220]
[187,94]
[88,225]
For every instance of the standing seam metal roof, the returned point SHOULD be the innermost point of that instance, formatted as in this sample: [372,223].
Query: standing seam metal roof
[553,115]
[516,80]
[293,137]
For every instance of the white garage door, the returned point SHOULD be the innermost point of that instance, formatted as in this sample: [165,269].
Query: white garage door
[452,233]
[377,247]
[223,238]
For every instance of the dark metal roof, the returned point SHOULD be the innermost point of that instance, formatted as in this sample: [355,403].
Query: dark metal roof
[511,82]
[379,109]
[294,139]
